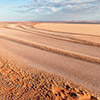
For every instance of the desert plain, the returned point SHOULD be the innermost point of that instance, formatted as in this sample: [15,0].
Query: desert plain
[49,61]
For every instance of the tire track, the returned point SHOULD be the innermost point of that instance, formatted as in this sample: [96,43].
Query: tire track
[69,33]
[82,49]
[81,41]
[63,38]
[71,39]
[53,50]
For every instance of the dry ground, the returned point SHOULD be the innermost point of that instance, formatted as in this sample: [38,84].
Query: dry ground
[73,53]
[29,84]
[90,32]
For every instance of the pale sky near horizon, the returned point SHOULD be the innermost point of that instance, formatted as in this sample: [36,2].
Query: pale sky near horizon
[49,10]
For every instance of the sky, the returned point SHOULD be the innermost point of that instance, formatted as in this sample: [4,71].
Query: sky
[49,10]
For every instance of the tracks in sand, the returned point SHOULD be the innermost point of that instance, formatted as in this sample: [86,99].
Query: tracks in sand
[58,52]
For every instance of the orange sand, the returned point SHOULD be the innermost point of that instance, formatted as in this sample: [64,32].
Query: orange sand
[25,83]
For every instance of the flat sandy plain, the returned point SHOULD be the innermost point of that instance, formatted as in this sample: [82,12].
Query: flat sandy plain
[48,61]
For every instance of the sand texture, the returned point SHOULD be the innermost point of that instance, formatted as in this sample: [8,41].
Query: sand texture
[52,58]
[18,84]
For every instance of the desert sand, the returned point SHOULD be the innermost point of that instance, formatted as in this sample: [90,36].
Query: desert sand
[39,62]
[30,84]
[89,32]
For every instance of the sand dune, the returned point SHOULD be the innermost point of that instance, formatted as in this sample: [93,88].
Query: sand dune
[71,55]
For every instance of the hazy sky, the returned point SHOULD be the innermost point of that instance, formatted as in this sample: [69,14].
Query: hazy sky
[49,10]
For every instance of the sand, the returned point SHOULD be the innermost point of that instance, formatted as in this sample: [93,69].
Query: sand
[39,64]
[89,32]
[92,29]
[18,84]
